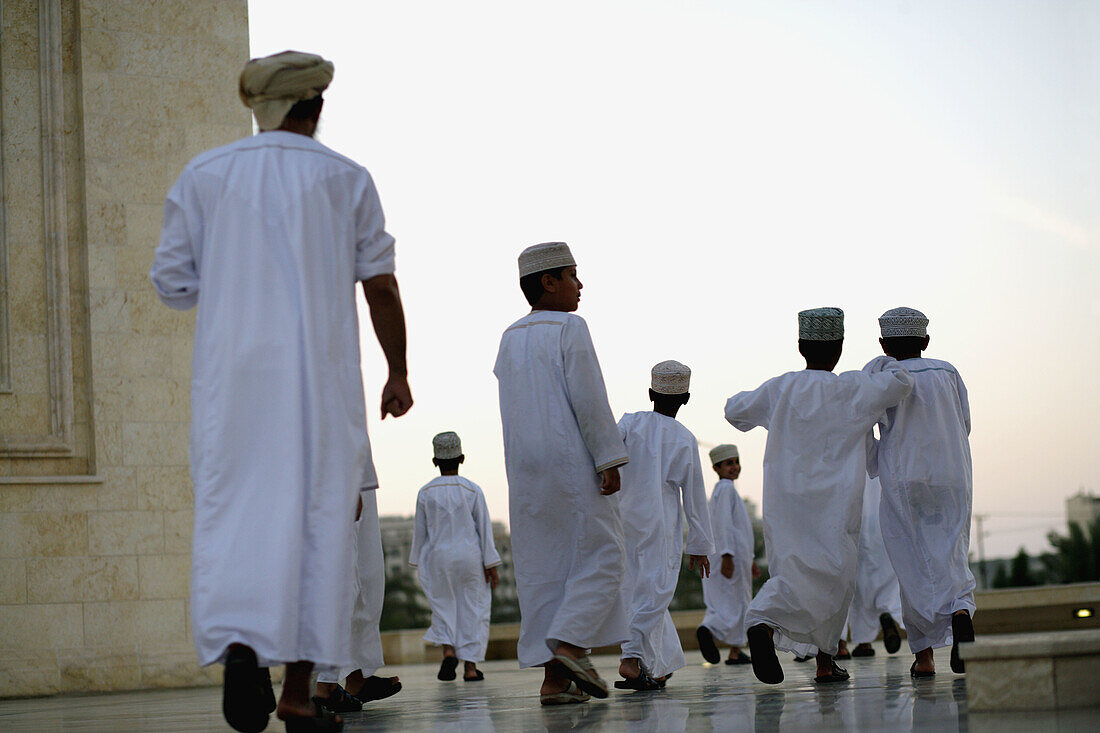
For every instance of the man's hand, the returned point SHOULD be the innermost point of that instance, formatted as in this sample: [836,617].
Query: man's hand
[755,570]
[609,481]
[703,562]
[727,566]
[492,577]
[396,397]
[359,508]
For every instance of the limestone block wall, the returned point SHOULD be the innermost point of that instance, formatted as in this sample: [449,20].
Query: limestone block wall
[102,102]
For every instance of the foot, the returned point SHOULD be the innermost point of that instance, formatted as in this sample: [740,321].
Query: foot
[630,668]
[924,665]
[470,672]
[824,664]
[891,635]
[291,711]
[863,650]
[553,681]
[842,650]
[447,668]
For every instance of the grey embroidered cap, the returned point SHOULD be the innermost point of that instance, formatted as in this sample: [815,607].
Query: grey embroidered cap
[447,445]
[821,324]
[723,452]
[545,256]
[670,377]
[903,322]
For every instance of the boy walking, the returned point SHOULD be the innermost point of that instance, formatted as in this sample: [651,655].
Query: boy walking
[815,465]
[927,482]
[728,590]
[456,561]
[664,464]
[562,453]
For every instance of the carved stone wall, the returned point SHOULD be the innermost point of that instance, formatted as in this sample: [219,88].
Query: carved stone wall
[102,103]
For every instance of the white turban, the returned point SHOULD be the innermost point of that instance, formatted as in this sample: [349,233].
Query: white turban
[545,256]
[271,85]
[723,452]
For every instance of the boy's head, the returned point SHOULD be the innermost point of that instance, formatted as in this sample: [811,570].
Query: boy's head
[821,337]
[447,449]
[668,387]
[904,333]
[726,461]
[548,277]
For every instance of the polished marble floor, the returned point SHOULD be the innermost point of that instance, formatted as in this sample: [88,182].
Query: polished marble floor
[879,697]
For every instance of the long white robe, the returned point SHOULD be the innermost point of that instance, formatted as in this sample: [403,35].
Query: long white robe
[877,590]
[664,464]
[727,599]
[815,465]
[370,591]
[567,539]
[927,485]
[269,236]
[452,547]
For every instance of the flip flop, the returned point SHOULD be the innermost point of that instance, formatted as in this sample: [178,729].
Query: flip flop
[962,631]
[340,701]
[741,658]
[707,647]
[570,696]
[476,678]
[244,697]
[806,658]
[838,674]
[919,673]
[323,722]
[269,691]
[447,669]
[864,651]
[584,674]
[765,665]
[891,637]
[377,688]
[644,682]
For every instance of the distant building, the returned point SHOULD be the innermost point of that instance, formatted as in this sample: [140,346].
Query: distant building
[1082,509]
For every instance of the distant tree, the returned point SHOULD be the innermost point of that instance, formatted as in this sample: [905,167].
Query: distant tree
[404,605]
[505,610]
[689,589]
[1076,556]
[1017,574]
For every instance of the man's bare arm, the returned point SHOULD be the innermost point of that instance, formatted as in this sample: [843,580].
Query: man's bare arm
[388,318]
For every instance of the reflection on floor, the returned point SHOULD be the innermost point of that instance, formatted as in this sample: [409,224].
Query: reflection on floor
[880,696]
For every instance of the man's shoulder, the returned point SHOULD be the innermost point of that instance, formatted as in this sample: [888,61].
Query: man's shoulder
[277,140]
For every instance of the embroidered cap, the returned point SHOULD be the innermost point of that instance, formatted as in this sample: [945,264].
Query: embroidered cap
[545,256]
[670,377]
[723,452]
[447,445]
[821,324]
[903,322]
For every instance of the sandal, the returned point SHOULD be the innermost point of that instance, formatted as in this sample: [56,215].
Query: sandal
[447,669]
[569,696]
[478,676]
[644,682]
[765,665]
[377,688]
[920,673]
[584,674]
[864,650]
[741,658]
[323,722]
[245,697]
[340,701]
[962,631]
[837,674]
[707,647]
[891,636]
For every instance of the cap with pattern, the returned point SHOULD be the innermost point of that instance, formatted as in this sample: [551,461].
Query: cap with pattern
[723,452]
[903,322]
[821,324]
[545,256]
[670,377]
[447,445]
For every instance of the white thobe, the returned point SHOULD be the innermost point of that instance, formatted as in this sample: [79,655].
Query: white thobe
[567,538]
[876,589]
[269,236]
[927,483]
[815,466]
[452,547]
[664,465]
[370,591]
[727,599]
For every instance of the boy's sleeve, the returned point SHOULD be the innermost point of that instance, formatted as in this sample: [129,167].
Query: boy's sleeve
[747,410]
[420,534]
[175,271]
[885,383]
[587,394]
[490,558]
[700,534]
[964,401]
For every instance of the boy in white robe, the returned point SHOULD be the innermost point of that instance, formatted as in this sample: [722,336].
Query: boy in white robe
[562,453]
[927,484]
[269,236]
[814,472]
[664,464]
[728,589]
[455,560]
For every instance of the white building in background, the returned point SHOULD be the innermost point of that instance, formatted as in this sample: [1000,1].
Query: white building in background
[1082,508]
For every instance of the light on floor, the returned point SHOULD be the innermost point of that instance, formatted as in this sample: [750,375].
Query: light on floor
[1082,613]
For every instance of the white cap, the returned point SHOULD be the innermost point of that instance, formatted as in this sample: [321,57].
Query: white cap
[447,445]
[545,256]
[821,324]
[670,377]
[723,452]
[903,322]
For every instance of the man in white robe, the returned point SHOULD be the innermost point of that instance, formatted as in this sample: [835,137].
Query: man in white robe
[664,466]
[562,451]
[927,484]
[268,236]
[876,602]
[728,589]
[455,560]
[815,466]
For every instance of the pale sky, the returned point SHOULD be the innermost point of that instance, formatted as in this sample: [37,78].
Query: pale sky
[716,167]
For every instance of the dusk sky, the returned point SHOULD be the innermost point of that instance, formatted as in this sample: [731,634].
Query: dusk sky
[716,167]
